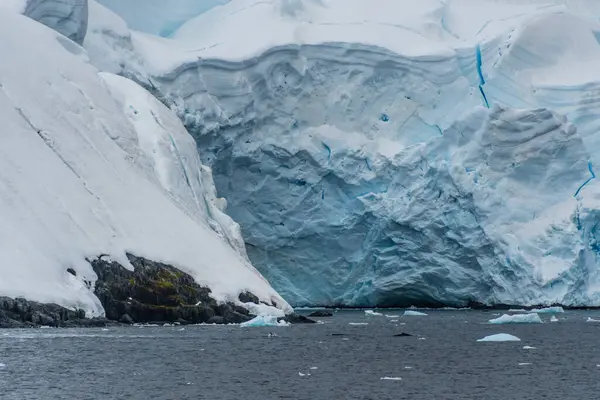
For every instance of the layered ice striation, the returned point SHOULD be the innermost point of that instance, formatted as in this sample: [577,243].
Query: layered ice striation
[92,165]
[376,153]
[68,17]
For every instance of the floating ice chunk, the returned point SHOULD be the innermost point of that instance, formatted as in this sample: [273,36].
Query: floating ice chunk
[553,319]
[524,363]
[517,310]
[313,368]
[264,320]
[500,337]
[105,329]
[301,374]
[181,329]
[358,323]
[2,365]
[410,313]
[407,367]
[45,327]
[590,319]
[393,320]
[372,313]
[548,310]
[529,348]
[422,338]
[345,338]
[517,319]
[391,316]
[391,378]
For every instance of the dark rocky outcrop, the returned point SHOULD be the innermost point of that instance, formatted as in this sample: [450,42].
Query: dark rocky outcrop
[156,292]
[402,334]
[297,319]
[22,313]
[321,313]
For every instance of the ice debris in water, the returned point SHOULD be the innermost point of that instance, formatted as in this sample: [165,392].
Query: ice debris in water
[548,310]
[524,363]
[2,365]
[264,320]
[391,378]
[391,316]
[517,319]
[410,313]
[529,348]
[313,368]
[372,313]
[358,323]
[590,319]
[517,310]
[500,337]
[553,319]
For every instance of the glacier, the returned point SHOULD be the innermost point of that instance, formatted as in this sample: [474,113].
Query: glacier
[92,165]
[373,153]
[378,154]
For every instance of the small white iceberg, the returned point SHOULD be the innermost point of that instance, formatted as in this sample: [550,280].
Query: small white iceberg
[411,313]
[529,348]
[524,363]
[391,378]
[553,319]
[517,319]
[313,368]
[590,319]
[263,320]
[2,365]
[548,310]
[372,313]
[358,323]
[392,316]
[500,337]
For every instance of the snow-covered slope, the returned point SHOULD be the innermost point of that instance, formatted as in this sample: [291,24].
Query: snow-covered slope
[93,165]
[352,141]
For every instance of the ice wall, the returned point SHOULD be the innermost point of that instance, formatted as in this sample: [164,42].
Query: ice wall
[350,153]
[68,17]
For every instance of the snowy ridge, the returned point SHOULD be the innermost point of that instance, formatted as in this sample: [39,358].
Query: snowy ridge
[94,166]
[352,152]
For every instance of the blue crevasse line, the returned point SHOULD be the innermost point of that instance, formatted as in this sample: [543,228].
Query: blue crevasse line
[591,169]
[480,75]
[328,150]
[479,63]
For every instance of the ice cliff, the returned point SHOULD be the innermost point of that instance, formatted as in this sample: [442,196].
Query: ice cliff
[393,153]
[68,17]
[92,165]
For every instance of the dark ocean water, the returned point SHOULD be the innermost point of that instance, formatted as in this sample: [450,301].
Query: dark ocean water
[228,362]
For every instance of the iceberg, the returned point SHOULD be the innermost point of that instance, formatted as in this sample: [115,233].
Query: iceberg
[428,175]
[517,319]
[411,313]
[553,319]
[263,320]
[372,313]
[500,337]
[590,319]
[548,310]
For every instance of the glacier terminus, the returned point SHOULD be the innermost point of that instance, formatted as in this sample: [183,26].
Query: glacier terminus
[336,153]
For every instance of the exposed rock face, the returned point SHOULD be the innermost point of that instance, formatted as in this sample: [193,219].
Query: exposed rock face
[21,313]
[321,313]
[158,292]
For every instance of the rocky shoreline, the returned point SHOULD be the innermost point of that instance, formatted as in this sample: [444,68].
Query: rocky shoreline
[154,293]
